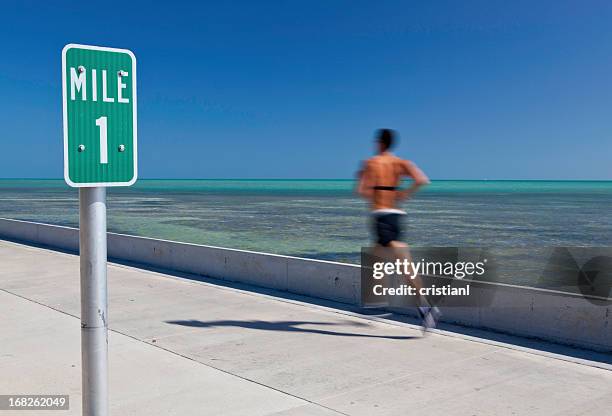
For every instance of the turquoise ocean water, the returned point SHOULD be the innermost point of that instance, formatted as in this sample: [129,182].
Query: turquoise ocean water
[324,219]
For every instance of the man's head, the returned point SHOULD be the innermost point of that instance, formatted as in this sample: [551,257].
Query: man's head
[385,138]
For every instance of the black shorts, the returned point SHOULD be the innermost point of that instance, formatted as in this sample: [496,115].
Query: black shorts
[387,228]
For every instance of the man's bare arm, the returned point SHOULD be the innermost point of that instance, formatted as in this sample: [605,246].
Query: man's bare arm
[418,179]
[364,188]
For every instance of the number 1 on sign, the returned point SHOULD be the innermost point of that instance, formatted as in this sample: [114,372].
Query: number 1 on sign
[101,122]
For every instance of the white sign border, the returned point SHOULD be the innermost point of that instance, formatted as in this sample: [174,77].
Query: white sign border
[65,116]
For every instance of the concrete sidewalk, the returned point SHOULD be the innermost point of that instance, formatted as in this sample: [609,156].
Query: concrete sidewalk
[180,347]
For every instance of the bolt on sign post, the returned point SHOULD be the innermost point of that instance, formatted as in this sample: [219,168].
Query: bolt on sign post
[99,107]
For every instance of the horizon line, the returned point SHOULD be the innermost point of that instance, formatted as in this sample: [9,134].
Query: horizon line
[327,179]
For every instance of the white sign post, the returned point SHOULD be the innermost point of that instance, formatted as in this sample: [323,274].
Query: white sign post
[99,108]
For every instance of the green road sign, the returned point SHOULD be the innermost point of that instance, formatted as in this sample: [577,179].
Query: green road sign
[99,94]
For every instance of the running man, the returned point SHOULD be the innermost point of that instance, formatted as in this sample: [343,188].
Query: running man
[379,183]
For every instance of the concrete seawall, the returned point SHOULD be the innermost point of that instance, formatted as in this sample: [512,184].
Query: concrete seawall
[563,318]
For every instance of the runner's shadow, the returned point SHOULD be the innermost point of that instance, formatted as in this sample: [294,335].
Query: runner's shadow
[285,326]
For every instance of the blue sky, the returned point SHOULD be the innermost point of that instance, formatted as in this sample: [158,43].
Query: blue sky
[295,89]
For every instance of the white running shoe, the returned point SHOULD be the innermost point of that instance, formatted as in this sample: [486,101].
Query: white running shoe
[430,316]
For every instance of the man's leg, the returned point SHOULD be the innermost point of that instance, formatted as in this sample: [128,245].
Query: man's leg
[402,251]
[428,313]
[369,300]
